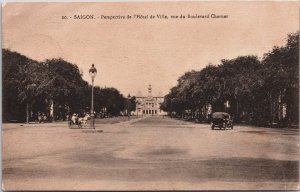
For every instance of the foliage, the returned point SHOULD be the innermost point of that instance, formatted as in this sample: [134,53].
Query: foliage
[249,85]
[31,87]
[109,99]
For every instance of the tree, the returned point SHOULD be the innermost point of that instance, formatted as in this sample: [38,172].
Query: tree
[282,77]
[109,99]
[21,76]
[63,86]
[132,102]
[257,91]
[54,86]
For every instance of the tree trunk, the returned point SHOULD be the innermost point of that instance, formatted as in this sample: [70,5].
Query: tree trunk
[237,112]
[27,113]
[52,110]
[204,113]
[271,109]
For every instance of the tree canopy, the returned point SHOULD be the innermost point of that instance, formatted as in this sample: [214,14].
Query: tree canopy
[31,87]
[249,85]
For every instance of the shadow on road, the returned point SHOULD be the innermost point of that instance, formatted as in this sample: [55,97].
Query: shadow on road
[107,166]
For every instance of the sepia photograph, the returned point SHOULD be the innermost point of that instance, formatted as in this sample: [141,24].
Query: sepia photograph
[153,95]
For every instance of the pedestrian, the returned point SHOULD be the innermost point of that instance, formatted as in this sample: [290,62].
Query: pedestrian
[76,119]
[73,118]
[39,117]
[69,119]
[44,119]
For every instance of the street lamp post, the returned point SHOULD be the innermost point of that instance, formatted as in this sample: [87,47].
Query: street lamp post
[128,106]
[137,105]
[92,73]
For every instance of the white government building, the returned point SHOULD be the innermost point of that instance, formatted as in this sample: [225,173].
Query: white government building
[149,105]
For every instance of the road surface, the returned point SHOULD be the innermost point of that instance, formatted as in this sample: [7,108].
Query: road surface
[147,154]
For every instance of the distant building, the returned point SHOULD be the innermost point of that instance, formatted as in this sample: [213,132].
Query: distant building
[149,105]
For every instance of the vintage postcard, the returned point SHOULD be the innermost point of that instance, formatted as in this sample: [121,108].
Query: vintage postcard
[198,95]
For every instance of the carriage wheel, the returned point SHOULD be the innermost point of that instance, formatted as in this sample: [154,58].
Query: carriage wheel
[70,125]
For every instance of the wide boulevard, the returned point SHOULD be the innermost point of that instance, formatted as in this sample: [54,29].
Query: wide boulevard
[146,154]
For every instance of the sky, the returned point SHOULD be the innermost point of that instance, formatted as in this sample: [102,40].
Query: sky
[130,54]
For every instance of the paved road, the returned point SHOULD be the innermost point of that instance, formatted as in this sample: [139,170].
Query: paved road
[149,153]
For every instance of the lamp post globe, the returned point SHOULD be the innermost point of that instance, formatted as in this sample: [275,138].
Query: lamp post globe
[92,73]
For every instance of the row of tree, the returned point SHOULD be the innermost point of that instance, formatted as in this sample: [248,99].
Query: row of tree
[252,90]
[53,88]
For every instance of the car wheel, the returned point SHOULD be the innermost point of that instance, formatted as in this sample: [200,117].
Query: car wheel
[224,126]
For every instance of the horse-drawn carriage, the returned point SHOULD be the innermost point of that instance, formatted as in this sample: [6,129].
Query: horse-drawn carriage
[78,121]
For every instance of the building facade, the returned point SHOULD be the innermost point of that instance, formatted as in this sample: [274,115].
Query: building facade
[150,105]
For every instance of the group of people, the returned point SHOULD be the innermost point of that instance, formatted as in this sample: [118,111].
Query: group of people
[76,120]
[42,117]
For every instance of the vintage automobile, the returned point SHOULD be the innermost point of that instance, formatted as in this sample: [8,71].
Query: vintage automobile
[221,120]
